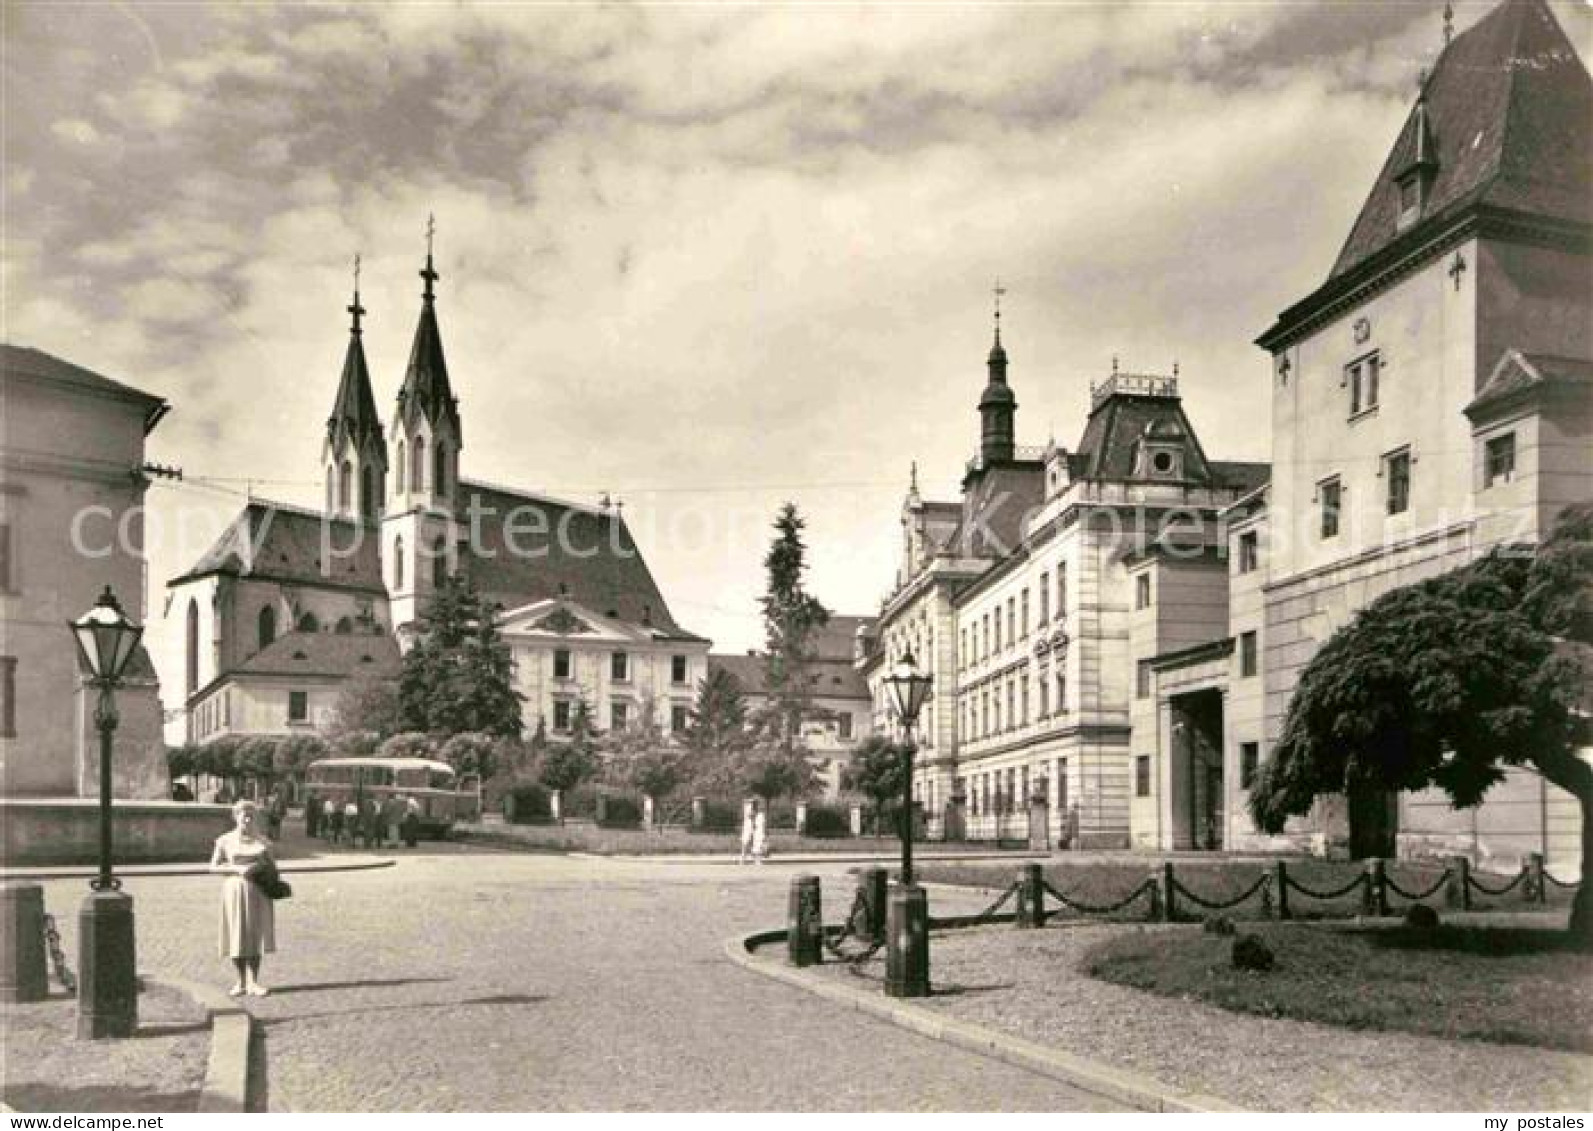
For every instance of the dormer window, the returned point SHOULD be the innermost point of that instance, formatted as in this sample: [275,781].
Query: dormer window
[1416,177]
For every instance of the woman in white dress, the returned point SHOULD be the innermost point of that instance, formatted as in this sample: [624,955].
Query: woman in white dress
[247,914]
[760,834]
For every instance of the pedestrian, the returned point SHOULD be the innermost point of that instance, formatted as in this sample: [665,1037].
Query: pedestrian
[275,811]
[247,915]
[351,821]
[760,833]
[379,821]
[395,816]
[748,827]
[334,821]
[411,824]
[312,816]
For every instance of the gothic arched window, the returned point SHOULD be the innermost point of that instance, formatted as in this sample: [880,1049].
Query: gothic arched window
[267,626]
[398,480]
[439,475]
[309,623]
[398,564]
[345,627]
[345,486]
[368,491]
[331,497]
[439,562]
[193,646]
[418,465]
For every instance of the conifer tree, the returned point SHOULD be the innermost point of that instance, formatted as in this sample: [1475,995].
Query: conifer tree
[459,676]
[790,616]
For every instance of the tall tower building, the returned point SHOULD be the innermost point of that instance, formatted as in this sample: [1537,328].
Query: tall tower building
[354,456]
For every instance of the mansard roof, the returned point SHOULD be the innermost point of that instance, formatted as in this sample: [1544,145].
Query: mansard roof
[1505,118]
[1128,409]
[527,548]
[277,542]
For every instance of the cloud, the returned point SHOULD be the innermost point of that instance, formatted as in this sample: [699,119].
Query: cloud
[76,130]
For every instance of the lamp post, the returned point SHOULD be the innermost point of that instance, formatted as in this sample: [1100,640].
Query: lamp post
[907,912]
[107,1004]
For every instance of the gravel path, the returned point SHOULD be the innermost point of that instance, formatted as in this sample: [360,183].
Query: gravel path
[1027,983]
[481,981]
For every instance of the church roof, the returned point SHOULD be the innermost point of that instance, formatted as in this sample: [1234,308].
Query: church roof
[1505,118]
[328,654]
[22,363]
[835,679]
[530,548]
[277,542]
[426,389]
[354,417]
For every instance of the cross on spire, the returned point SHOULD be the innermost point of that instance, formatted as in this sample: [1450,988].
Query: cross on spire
[1449,22]
[998,291]
[430,274]
[356,309]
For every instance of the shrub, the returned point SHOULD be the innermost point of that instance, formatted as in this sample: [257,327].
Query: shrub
[579,803]
[1218,925]
[621,812]
[828,821]
[1250,953]
[527,803]
[721,815]
[1420,917]
[782,816]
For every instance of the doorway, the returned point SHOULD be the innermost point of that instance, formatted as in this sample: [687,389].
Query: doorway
[1196,799]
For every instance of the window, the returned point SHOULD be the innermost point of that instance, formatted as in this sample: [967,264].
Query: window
[398,479]
[1249,762]
[8,696]
[997,645]
[398,564]
[1061,590]
[417,466]
[1247,654]
[1142,591]
[6,580]
[345,626]
[298,706]
[1142,679]
[962,648]
[1396,468]
[679,718]
[1142,775]
[1330,493]
[1045,598]
[1361,377]
[995,714]
[267,626]
[309,623]
[368,491]
[561,663]
[192,646]
[1061,692]
[619,666]
[844,725]
[1062,784]
[1499,464]
[1249,552]
[439,475]
[618,712]
[561,715]
[1043,686]
[984,637]
[345,486]
[1012,621]
[677,669]
[1012,705]
[1023,623]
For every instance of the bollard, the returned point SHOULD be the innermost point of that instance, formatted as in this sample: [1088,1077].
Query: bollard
[855,820]
[556,806]
[649,809]
[601,815]
[1031,897]
[805,922]
[873,883]
[1536,889]
[907,943]
[1164,880]
[24,975]
[1282,883]
[698,812]
[1457,888]
[1374,894]
[1153,912]
[802,818]
[107,997]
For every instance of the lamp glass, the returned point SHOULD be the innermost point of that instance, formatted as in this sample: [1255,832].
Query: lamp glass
[106,639]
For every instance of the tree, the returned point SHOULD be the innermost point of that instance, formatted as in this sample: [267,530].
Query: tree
[479,754]
[790,617]
[294,754]
[366,705]
[718,722]
[409,744]
[567,764]
[620,748]
[1444,683]
[773,770]
[875,771]
[459,675]
[657,773]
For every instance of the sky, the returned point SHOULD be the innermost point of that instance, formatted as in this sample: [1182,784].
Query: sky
[702,258]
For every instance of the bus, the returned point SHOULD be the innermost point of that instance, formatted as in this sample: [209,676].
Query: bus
[444,798]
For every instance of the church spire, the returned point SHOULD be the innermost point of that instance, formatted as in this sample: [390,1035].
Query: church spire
[355,447]
[426,391]
[997,405]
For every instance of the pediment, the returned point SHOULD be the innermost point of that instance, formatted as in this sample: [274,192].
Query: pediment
[564,619]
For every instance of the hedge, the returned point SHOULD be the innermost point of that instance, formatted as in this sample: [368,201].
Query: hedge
[621,811]
[527,803]
[828,820]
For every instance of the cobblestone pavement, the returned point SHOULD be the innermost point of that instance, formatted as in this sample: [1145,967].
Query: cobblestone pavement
[468,980]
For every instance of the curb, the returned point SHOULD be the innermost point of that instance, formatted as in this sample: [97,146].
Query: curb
[162,871]
[1130,1088]
[226,1086]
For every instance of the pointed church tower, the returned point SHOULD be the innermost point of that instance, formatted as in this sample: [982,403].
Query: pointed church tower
[421,532]
[998,407]
[354,454]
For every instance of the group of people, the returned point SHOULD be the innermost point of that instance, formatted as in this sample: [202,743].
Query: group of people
[754,833]
[366,821]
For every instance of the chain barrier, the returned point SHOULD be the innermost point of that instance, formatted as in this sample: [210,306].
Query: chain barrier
[858,914]
[52,941]
[1100,909]
[1413,896]
[1217,904]
[989,914]
[1560,883]
[1337,893]
[1520,879]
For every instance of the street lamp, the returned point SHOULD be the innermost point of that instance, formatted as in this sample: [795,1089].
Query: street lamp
[907,914]
[107,1004]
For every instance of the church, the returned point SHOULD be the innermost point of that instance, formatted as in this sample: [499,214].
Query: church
[291,603]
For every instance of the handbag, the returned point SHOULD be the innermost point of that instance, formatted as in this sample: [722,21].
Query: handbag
[271,883]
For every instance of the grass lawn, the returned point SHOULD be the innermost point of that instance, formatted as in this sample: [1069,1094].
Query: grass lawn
[1488,983]
[583,837]
[1104,882]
